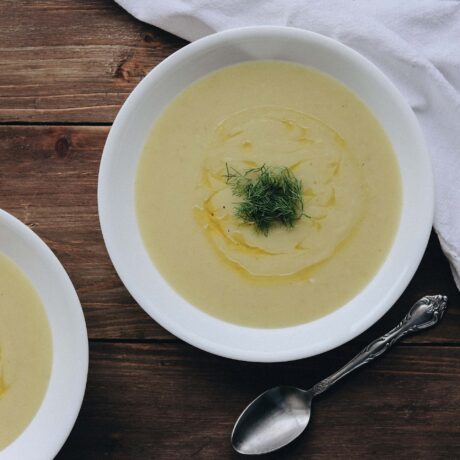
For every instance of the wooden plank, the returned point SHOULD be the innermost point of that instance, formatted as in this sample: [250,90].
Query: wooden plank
[73,60]
[169,401]
[48,179]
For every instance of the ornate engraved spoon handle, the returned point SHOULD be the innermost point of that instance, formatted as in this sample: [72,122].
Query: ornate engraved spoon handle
[425,313]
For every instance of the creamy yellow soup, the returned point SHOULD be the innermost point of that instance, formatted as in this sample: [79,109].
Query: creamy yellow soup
[276,114]
[25,352]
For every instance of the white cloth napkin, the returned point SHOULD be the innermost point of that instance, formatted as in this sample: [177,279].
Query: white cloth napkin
[415,42]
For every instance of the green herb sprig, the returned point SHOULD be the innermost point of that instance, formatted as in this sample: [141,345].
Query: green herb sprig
[270,196]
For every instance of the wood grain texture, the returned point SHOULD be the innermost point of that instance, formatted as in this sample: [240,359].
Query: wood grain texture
[169,401]
[48,179]
[73,60]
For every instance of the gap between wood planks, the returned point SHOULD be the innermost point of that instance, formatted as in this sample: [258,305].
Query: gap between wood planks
[54,123]
[358,342]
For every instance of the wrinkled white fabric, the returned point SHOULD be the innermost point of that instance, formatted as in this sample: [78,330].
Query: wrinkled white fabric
[415,42]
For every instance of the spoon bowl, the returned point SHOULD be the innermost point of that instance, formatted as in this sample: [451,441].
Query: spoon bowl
[272,420]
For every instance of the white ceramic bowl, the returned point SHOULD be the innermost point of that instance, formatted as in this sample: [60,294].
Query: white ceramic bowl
[118,172]
[45,435]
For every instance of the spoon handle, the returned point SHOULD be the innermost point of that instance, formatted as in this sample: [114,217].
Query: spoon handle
[425,313]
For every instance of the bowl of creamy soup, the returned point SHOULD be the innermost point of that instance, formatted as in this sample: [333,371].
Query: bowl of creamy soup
[265,194]
[43,346]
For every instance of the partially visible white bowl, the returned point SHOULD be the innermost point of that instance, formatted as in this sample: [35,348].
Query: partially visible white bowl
[118,172]
[45,435]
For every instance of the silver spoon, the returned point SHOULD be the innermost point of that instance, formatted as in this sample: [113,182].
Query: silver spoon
[281,414]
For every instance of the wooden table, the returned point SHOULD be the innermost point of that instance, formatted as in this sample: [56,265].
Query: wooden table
[66,68]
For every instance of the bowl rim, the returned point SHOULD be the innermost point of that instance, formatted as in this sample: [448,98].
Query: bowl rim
[26,445]
[187,52]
